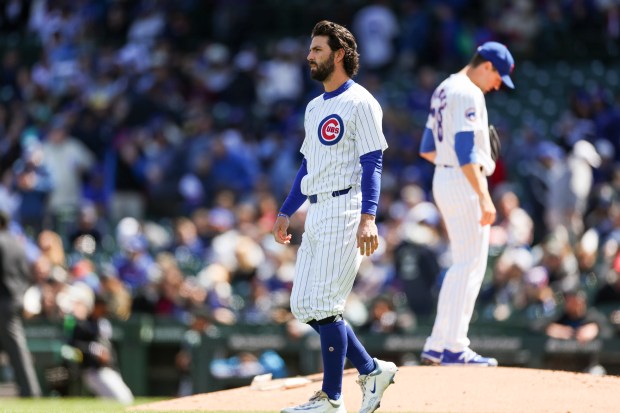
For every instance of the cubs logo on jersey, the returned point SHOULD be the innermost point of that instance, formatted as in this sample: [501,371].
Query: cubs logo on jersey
[331,130]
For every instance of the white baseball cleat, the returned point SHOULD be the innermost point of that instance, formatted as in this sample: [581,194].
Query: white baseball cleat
[318,403]
[374,384]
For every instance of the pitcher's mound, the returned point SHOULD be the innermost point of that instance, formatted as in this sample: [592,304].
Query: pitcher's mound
[433,389]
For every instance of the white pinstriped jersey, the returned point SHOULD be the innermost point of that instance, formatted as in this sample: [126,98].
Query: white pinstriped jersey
[458,105]
[338,131]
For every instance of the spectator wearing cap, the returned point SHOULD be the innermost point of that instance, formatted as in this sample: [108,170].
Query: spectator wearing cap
[577,321]
[580,322]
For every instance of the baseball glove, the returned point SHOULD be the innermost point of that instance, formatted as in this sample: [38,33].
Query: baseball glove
[496,144]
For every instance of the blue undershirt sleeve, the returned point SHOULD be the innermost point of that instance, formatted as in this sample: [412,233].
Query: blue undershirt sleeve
[295,198]
[428,142]
[464,147]
[372,164]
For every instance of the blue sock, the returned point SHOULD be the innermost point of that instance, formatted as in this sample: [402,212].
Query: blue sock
[334,349]
[356,353]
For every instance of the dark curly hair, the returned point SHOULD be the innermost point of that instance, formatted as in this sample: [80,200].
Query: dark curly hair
[340,38]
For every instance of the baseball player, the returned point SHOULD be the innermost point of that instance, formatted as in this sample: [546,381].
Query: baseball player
[456,140]
[90,336]
[340,175]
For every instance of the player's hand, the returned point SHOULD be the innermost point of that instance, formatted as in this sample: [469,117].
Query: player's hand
[488,211]
[367,235]
[279,230]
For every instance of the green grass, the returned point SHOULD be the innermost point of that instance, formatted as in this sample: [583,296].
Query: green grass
[78,405]
[64,405]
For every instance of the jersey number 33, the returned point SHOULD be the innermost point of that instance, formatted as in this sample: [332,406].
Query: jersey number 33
[438,104]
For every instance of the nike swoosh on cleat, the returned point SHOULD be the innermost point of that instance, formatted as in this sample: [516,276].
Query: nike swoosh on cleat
[374,386]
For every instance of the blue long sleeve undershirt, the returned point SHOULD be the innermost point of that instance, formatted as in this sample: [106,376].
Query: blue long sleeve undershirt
[372,165]
[428,142]
[295,198]
[464,148]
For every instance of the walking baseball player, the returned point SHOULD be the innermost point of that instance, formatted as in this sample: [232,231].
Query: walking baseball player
[456,140]
[340,175]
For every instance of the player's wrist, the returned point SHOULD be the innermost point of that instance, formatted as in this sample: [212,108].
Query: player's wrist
[282,214]
[367,217]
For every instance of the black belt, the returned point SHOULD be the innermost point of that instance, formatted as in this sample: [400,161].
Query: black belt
[450,166]
[313,198]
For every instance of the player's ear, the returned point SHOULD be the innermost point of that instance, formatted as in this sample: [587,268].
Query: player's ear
[339,55]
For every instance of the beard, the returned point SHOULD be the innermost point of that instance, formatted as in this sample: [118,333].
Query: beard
[323,70]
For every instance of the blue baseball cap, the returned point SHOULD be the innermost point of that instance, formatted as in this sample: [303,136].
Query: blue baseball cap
[500,57]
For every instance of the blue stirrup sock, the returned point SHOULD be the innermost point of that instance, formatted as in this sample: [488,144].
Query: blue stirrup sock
[356,353]
[334,349]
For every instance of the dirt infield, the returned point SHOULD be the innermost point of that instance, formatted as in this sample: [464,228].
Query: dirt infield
[437,390]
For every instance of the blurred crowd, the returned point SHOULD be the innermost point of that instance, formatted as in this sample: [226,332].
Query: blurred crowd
[146,146]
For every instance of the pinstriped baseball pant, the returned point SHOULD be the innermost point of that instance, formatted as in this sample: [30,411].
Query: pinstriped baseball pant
[469,245]
[328,258]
